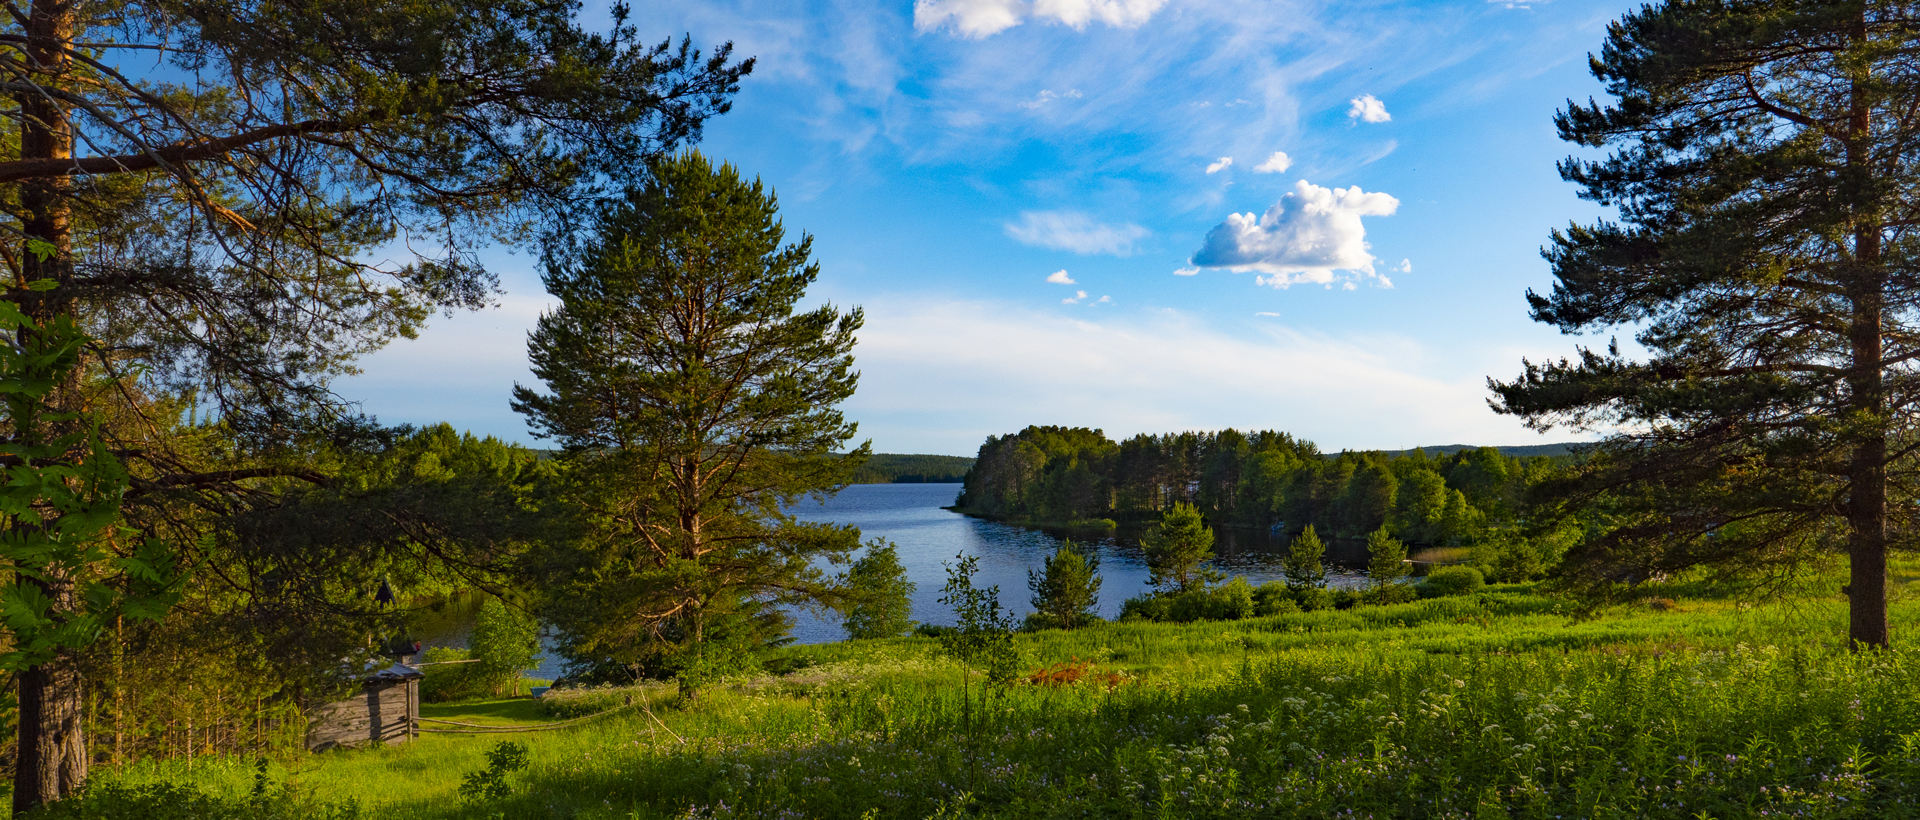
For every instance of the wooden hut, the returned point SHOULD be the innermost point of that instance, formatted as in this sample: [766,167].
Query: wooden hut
[385,710]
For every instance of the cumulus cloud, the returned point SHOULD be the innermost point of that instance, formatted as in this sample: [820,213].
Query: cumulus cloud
[984,18]
[1046,96]
[1060,277]
[1105,299]
[1075,298]
[1074,231]
[1309,236]
[1220,164]
[1274,164]
[1368,108]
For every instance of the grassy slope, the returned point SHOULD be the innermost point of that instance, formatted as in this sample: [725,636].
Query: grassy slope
[1427,709]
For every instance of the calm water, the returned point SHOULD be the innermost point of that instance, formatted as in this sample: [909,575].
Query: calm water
[929,537]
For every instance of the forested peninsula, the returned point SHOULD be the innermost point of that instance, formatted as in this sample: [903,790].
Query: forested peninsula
[1076,477]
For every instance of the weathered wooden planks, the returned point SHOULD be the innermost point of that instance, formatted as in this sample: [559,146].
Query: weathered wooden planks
[385,710]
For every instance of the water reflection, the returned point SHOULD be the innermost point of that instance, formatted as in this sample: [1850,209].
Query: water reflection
[911,516]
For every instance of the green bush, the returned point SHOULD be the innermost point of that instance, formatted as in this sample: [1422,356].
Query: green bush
[1273,598]
[1231,601]
[883,597]
[1458,579]
[178,801]
[456,681]
[1391,594]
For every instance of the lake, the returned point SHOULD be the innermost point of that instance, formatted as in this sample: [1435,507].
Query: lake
[912,516]
[929,537]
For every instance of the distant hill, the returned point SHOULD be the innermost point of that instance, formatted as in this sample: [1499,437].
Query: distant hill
[896,468]
[1516,451]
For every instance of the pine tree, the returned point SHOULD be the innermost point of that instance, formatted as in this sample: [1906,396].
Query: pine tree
[1066,590]
[693,403]
[1764,168]
[1177,547]
[1386,559]
[217,216]
[1302,566]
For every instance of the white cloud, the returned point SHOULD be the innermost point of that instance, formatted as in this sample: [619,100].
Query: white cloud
[972,18]
[984,18]
[1367,108]
[1060,277]
[1220,164]
[1106,300]
[1308,236]
[1266,313]
[1187,271]
[940,375]
[1274,164]
[1405,266]
[1046,96]
[1074,231]
[1075,298]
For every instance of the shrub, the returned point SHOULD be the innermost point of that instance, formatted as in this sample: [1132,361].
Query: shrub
[1231,601]
[1458,579]
[454,681]
[178,801]
[1392,594]
[1273,598]
[1147,607]
[883,597]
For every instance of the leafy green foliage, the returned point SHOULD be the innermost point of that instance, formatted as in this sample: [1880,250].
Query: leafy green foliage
[445,682]
[1458,579]
[491,783]
[506,641]
[882,597]
[983,636]
[1177,547]
[692,403]
[1302,565]
[1066,590]
[73,566]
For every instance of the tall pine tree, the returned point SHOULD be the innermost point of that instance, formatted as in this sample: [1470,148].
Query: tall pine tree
[693,404]
[1764,167]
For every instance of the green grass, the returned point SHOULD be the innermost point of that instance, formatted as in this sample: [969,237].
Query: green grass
[1502,704]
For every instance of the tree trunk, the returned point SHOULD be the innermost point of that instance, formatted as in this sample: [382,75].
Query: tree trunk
[1867,508]
[52,759]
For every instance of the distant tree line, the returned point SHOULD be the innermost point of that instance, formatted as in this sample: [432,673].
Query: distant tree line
[895,468]
[1067,475]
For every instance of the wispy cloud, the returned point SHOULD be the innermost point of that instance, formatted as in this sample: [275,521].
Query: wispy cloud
[1219,165]
[1366,108]
[940,376]
[1309,236]
[1041,99]
[1074,231]
[984,18]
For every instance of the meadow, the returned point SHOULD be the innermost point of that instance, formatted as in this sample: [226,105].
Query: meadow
[1505,703]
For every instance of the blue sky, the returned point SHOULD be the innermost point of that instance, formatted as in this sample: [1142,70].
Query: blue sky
[952,158]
